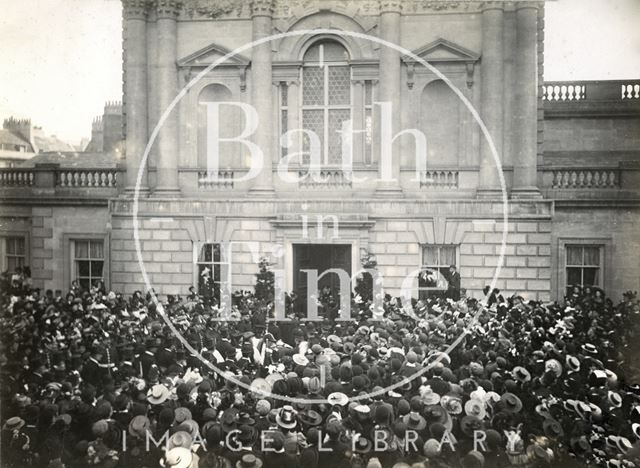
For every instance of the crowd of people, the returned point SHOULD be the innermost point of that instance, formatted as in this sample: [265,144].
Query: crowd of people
[94,378]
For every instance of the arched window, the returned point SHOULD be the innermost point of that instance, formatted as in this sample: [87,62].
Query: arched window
[440,122]
[230,119]
[326,96]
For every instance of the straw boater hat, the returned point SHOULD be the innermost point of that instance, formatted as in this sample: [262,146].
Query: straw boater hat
[300,360]
[13,424]
[177,457]
[249,461]
[286,417]
[158,394]
[338,398]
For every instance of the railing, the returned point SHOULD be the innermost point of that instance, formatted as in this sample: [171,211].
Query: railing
[591,178]
[328,179]
[52,177]
[439,180]
[87,178]
[222,180]
[11,177]
[614,90]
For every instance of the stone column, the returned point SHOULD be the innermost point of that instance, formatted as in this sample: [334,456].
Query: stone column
[293,114]
[390,91]
[135,90]
[525,112]
[261,92]
[167,166]
[492,97]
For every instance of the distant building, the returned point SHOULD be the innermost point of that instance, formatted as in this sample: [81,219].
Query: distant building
[20,141]
[16,144]
[106,130]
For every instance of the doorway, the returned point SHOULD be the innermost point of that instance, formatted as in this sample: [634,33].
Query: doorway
[320,257]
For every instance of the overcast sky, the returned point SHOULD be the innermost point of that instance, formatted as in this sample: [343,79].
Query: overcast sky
[60,60]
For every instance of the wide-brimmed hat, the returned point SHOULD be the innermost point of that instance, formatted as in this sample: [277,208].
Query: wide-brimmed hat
[180,439]
[521,374]
[139,426]
[177,457]
[452,404]
[553,365]
[552,428]
[286,417]
[300,360]
[261,387]
[437,414]
[310,418]
[573,363]
[158,394]
[414,421]
[13,424]
[614,399]
[338,398]
[511,403]
[228,420]
[249,461]
[362,445]
[428,396]
[589,349]
[475,408]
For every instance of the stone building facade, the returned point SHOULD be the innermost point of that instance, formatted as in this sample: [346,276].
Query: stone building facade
[568,154]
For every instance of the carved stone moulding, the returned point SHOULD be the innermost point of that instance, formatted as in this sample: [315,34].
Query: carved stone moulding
[168,8]
[262,8]
[135,9]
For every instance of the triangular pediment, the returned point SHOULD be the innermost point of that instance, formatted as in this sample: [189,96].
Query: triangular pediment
[442,50]
[209,54]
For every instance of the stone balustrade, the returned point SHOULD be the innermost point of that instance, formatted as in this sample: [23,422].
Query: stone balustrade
[610,90]
[331,179]
[51,179]
[587,178]
[439,180]
[11,177]
[87,178]
[223,180]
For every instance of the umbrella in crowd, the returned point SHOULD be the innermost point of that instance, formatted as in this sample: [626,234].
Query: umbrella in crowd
[94,378]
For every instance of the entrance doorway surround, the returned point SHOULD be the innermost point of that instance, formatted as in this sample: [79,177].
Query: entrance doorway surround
[297,229]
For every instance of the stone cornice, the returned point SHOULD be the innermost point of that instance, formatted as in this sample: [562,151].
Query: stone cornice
[135,9]
[397,208]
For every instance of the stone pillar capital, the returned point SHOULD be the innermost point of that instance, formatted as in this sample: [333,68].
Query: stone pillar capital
[168,9]
[485,6]
[358,82]
[526,5]
[292,82]
[390,6]
[135,9]
[262,8]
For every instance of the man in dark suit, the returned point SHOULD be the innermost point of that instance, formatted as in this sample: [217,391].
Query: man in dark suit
[453,289]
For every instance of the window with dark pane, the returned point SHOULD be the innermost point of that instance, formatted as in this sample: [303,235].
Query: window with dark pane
[212,265]
[88,261]
[326,98]
[14,252]
[583,265]
[434,267]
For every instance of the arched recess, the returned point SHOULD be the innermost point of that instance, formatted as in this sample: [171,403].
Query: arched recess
[440,122]
[291,48]
[229,125]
